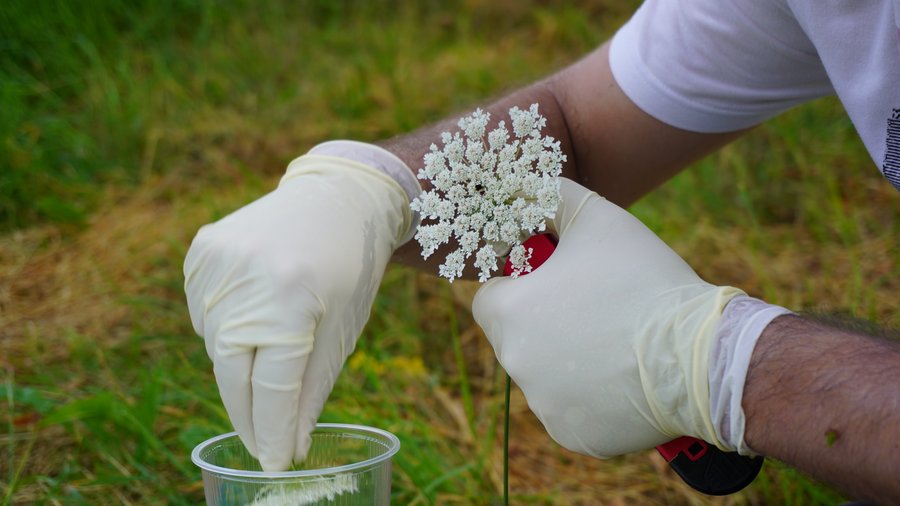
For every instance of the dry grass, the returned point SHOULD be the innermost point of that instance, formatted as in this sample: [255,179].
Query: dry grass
[107,388]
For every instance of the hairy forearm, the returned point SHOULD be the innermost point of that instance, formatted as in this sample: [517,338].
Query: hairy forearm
[827,401]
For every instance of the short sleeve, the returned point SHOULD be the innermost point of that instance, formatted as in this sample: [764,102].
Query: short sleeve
[715,65]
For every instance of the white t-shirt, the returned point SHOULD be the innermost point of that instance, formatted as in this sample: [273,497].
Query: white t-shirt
[721,65]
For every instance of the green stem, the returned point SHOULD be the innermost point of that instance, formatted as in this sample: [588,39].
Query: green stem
[506,446]
[456,340]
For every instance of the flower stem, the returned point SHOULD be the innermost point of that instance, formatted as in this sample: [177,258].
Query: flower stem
[506,446]
[465,387]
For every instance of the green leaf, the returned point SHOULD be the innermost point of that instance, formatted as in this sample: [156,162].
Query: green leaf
[60,211]
[27,396]
[101,405]
[147,407]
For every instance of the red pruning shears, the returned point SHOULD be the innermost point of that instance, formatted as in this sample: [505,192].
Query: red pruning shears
[701,465]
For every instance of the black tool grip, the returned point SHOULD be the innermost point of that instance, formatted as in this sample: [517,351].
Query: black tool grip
[708,469]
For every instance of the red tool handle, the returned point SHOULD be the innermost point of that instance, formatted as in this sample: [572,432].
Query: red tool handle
[704,467]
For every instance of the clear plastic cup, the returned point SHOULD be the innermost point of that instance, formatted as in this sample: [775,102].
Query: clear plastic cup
[347,465]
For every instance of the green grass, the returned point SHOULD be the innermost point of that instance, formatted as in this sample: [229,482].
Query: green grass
[127,125]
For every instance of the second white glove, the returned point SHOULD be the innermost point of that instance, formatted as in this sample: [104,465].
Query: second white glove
[609,339]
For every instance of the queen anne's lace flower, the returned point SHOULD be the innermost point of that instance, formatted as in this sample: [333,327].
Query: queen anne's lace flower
[489,192]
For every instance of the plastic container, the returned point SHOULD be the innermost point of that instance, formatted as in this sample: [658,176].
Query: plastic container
[347,465]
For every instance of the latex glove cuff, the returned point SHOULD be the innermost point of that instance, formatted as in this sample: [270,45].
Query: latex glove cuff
[379,159]
[743,321]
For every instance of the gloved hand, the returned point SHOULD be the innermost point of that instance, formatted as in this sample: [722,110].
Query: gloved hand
[281,289]
[610,338]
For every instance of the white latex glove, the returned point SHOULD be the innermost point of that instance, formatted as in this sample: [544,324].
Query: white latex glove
[281,289]
[610,338]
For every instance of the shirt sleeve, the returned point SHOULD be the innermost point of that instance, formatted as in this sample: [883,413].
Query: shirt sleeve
[716,65]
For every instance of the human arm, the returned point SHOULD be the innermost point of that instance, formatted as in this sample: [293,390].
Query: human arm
[827,401]
[618,346]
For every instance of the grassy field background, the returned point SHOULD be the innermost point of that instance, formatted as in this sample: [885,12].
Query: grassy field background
[125,125]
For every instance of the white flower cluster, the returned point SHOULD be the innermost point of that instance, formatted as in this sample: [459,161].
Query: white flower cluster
[489,192]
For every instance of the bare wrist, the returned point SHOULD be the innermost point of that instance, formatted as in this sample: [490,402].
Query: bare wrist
[824,400]
[743,321]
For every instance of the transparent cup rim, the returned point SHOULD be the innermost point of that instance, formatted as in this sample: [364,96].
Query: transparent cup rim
[393,447]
